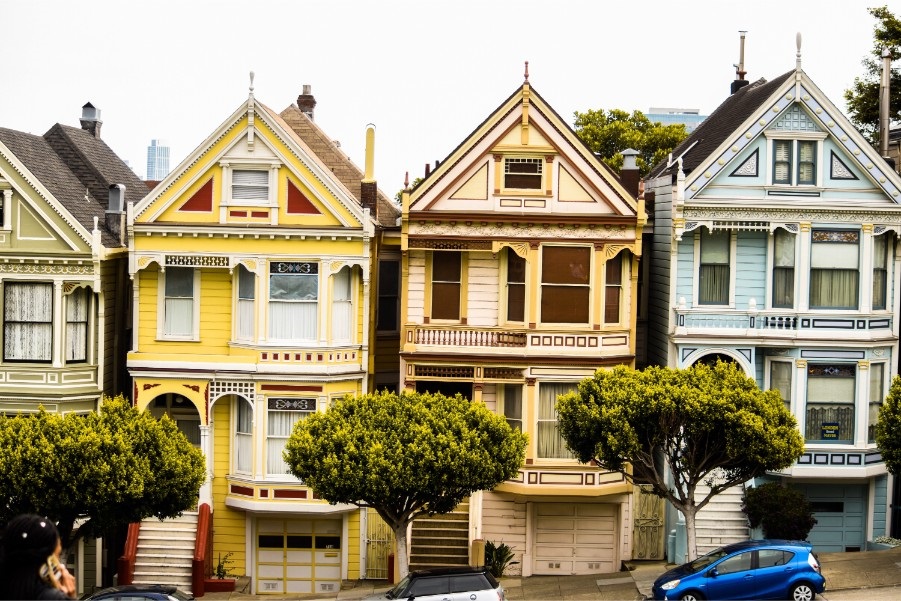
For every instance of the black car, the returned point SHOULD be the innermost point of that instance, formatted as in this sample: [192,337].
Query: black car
[140,592]
[454,584]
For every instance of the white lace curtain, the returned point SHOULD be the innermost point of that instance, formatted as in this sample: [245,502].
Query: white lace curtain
[28,321]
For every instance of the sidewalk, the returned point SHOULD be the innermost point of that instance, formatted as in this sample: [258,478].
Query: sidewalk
[867,569]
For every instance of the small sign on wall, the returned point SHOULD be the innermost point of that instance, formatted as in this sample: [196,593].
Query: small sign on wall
[829,431]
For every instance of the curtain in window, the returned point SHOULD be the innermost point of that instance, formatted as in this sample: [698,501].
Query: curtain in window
[342,306]
[877,397]
[280,426]
[781,380]
[178,309]
[77,325]
[243,435]
[880,270]
[293,306]
[550,442]
[782,161]
[246,297]
[834,270]
[830,403]
[783,269]
[807,173]
[28,321]
[513,405]
[713,275]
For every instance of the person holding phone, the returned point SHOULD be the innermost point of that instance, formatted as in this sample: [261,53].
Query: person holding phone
[30,567]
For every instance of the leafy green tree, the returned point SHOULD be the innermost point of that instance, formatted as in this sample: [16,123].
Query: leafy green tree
[780,511]
[608,133]
[404,455]
[863,97]
[703,425]
[110,467]
[888,428]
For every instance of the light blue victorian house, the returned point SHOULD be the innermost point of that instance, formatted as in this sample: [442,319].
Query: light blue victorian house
[775,245]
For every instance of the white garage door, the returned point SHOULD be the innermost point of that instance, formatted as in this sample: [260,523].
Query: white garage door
[575,538]
[298,556]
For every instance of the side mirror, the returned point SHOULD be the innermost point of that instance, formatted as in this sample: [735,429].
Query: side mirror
[712,573]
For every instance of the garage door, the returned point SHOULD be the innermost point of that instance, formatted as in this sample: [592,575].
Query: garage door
[298,556]
[574,538]
[839,511]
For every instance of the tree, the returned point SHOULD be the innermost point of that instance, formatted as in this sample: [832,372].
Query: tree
[780,511]
[608,133]
[863,97]
[888,428]
[111,467]
[404,455]
[707,424]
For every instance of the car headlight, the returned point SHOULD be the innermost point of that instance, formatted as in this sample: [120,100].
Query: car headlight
[668,586]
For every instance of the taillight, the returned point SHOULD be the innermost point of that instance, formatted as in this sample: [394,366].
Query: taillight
[812,561]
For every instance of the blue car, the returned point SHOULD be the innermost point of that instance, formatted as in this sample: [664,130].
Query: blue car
[756,569]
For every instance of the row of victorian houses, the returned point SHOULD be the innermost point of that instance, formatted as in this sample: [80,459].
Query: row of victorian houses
[268,275]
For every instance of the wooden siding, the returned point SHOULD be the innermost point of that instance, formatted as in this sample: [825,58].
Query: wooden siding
[489,396]
[658,289]
[685,274]
[415,287]
[354,551]
[750,269]
[504,521]
[483,283]
[880,505]
[215,311]
[229,531]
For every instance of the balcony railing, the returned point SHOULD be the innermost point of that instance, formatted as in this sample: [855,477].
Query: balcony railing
[783,321]
[469,337]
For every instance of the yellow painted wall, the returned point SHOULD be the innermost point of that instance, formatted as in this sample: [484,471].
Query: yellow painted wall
[229,532]
[353,546]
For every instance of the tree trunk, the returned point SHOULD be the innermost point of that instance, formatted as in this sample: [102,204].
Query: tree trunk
[403,562]
[691,548]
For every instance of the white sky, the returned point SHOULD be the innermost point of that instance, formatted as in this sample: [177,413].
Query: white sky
[425,73]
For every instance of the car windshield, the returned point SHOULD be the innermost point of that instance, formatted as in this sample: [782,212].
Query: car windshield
[399,588]
[705,560]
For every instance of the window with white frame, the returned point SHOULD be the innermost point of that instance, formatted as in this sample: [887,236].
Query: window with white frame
[781,380]
[795,162]
[714,271]
[293,300]
[834,269]
[523,173]
[783,269]
[178,303]
[550,442]
[830,402]
[281,417]
[342,306]
[78,304]
[877,397]
[516,286]
[250,186]
[512,402]
[247,286]
[613,289]
[243,436]
[28,321]
[882,250]
[565,284]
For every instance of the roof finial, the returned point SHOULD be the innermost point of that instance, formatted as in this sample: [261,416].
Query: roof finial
[251,83]
[798,56]
[527,72]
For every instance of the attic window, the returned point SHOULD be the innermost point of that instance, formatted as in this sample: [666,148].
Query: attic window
[250,185]
[522,173]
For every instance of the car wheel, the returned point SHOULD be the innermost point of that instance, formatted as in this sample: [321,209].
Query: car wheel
[692,596]
[802,592]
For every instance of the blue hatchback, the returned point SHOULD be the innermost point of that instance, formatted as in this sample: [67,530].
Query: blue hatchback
[756,569]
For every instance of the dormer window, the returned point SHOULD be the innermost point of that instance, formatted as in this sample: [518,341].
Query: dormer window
[795,162]
[250,185]
[523,173]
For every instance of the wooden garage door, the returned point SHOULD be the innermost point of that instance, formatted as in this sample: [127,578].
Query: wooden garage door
[840,514]
[298,556]
[575,538]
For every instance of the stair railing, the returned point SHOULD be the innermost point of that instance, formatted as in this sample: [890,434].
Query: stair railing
[126,563]
[201,564]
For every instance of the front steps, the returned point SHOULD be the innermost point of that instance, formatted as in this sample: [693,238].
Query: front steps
[720,522]
[166,550]
[441,540]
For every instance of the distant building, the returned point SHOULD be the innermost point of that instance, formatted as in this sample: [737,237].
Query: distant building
[157,160]
[688,117]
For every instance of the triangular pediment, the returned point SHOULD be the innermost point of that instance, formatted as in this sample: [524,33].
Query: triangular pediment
[523,159]
[253,171]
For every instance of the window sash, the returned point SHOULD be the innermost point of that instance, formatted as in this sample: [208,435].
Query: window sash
[280,424]
[565,279]
[830,400]
[77,304]
[389,285]
[293,321]
[781,380]
[513,405]
[250,184]
[446,284]
[613,289]
[516,287]
[523,173]
[782,161]
[807,171]
[28,321]
[783,269]
[877,397]
[550,442]
[880,272]
[178,302]
[342,306]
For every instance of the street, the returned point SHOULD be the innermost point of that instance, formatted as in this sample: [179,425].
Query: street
[883,593]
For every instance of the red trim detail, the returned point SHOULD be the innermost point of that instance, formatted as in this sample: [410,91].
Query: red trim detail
[298,203]
[290,494]
[200,201]
[285,387]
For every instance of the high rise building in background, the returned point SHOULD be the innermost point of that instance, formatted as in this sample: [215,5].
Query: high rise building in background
[690,118]
[157,160]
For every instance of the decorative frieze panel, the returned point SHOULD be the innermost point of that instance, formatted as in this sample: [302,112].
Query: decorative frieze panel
[309,356]
[196,261]
[45,268]
[526,230]
[242,388]
[849,459]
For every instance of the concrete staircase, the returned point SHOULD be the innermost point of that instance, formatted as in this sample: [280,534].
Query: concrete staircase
[722,521]
[165,551]
[441,540]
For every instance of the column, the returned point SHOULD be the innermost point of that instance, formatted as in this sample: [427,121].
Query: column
[206,445]
[59,324]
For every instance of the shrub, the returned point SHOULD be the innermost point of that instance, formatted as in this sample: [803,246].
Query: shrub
[781,512]
[497,558]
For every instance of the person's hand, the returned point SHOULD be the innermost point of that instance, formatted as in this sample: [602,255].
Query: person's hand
[67,582]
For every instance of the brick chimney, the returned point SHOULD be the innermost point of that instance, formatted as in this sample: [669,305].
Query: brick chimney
[369,193]
[628,175]
[90,120]
[306,102]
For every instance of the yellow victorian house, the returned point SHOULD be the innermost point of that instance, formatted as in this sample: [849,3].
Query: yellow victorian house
[521,275]
[253,265]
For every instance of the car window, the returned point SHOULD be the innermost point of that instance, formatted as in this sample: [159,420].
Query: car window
[468,582]
[768,558]
[437,585]
[736,563]
[705,560]
[399,588]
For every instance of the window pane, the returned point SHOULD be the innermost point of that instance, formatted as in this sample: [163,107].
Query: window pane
[783,269]
[280,424]
[516,288]
[389,278]
[445,301]
[830,403]
[613,289]
[246,283]
[565,265]
[564,304]
[523,173]
[715,247]
[446,266]
[782,162]
[293,321]
[513,405]
[250,185]
[833,289]
[294,287]
[550,442]
[877,396]
[77,325]
[781,380]
[179,282]
[342,306]
[880,271]
[714,285]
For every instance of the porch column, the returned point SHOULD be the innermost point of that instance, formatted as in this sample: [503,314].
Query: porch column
[206,445]
[59,323]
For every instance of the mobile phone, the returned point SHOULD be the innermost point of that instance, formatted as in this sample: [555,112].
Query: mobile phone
[52,571]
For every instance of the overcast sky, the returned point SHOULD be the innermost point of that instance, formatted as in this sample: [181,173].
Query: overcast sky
[425,73]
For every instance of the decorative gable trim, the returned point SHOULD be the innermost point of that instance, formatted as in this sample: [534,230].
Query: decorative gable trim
[298,203]
[748,168]
[475,188]
[838,169]
[201,201]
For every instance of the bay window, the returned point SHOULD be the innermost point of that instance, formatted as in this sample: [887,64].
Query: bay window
[834,269]
[565,292]
[28,321]
[293,300]
[281,417]
[550,442]
[247,284]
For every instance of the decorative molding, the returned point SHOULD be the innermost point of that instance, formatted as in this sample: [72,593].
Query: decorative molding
[749,167]
[838,169]
[526,231]
[48,269]
[520,248]
[789,214]
[196,261]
